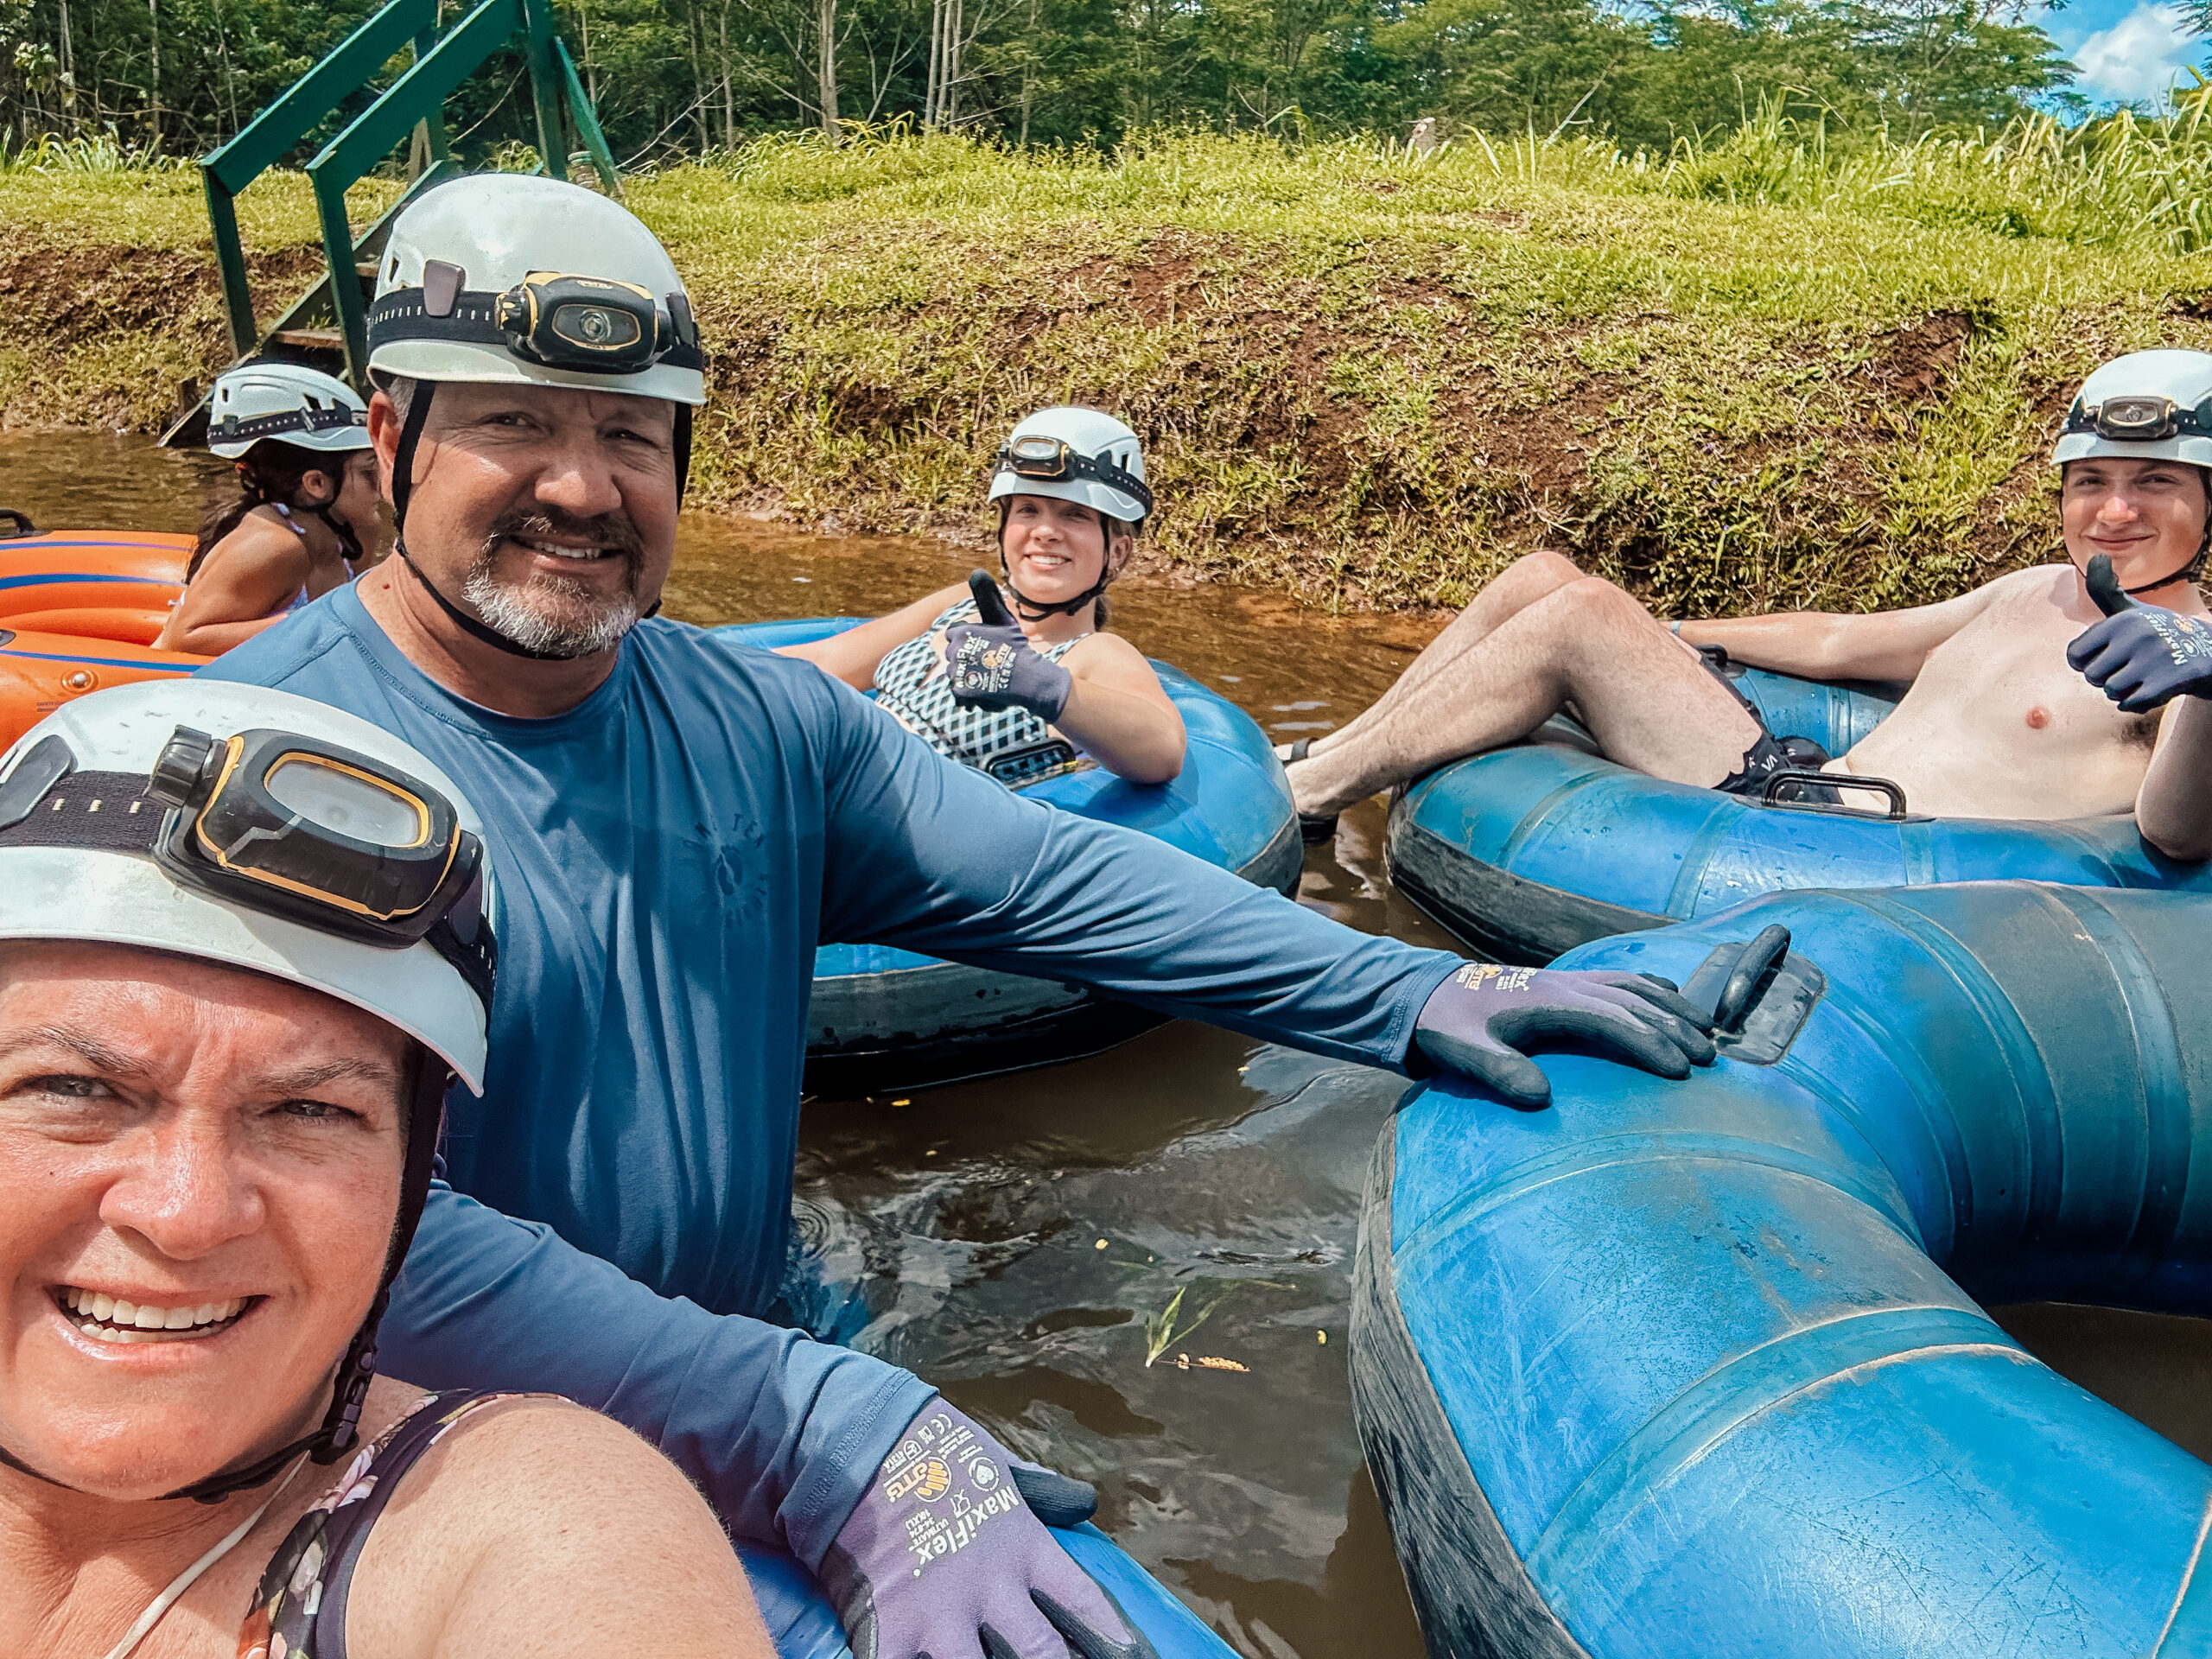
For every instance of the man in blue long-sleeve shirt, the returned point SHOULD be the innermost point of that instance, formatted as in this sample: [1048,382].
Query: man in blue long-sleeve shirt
[676,822]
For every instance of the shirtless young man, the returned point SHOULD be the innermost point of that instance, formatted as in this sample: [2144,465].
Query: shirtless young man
[2011,709]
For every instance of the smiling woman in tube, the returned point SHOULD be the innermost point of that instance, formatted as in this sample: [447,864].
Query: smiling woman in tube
[221,1078]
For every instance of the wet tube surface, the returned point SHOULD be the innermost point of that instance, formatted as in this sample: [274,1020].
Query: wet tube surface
[1532,850]
[1698,1368]
[80,609]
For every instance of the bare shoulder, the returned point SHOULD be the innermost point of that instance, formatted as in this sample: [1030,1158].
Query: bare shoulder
[536,1525]
[264,535]
[256,544]
[1107,652]
[2048,584]
[550,1442]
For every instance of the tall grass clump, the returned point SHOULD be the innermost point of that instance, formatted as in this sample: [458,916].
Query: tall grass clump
[101,153]
[2123,178]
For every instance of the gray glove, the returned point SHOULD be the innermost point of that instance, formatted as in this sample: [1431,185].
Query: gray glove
[948,1556]
[992,665]
[2140,655]
[1474,1022]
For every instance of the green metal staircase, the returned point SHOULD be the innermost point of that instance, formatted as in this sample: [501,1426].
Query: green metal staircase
[327,326]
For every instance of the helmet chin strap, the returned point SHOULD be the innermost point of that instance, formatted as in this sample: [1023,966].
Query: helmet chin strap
[340,1431]
[343,532]
[466,622]
[403,485]
[1031,610]
[2168,581]
[2186,573]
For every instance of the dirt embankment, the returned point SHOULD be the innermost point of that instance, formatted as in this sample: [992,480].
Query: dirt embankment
[108,335]
[1387,427]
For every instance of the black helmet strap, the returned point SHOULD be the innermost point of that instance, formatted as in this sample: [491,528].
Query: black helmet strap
[403,485]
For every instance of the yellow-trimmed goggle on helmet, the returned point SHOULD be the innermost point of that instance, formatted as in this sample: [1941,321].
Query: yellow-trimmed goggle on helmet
[315,832]
[276,822]
[2141,419]
[1050,460]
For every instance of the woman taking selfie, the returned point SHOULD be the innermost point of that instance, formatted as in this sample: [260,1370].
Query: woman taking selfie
[220,1086]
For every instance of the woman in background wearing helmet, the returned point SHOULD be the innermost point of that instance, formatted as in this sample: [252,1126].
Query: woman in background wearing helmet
[219,1094]
[1001,692]
[305,511]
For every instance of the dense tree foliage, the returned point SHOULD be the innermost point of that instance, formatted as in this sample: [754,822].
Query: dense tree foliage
[697,75]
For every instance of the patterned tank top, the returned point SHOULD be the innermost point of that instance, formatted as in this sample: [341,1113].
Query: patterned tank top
[911,685]
[299,1610]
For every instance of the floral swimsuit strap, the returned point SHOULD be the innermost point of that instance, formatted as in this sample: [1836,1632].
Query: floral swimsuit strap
[299,1610]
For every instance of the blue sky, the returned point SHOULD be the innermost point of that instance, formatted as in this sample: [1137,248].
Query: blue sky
[2128,51]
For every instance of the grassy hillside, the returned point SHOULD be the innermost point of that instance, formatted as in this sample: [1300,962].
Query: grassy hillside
[1763,376]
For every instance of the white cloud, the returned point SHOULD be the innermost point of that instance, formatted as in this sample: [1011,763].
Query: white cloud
[2137,60]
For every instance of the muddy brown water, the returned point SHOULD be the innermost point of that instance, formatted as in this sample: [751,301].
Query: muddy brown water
[1019,1241]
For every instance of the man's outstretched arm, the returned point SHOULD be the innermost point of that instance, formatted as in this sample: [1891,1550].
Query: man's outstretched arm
[938,858]
[796,1443]
[782,1434]
[1843,646]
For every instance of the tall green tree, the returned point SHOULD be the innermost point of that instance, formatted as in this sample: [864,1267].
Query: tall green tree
[676,77]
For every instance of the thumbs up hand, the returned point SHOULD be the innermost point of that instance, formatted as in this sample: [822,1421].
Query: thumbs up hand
[2141,655]
[991,663]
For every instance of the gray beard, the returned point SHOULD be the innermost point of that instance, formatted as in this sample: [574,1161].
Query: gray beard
[547,615]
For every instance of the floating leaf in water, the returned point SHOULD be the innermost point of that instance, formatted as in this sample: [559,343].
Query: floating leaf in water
[1160,1331]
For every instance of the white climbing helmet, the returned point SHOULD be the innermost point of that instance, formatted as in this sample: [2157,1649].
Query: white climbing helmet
[256,829]
[286,401]
[1075,454]
[502,277]
[2146,406]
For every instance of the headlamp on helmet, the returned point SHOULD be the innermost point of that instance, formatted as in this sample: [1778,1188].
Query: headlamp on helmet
[2141,419]
[320,835]
[567,321]
[1049,460]
[554,319]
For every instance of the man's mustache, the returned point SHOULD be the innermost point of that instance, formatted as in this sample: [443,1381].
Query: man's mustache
[610,530]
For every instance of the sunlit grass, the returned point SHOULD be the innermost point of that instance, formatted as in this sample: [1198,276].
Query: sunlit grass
[1783,369]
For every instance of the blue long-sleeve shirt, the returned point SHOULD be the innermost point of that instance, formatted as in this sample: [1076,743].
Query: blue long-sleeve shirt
[668,855]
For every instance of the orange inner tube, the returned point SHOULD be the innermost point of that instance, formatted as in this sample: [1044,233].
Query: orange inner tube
[79,610]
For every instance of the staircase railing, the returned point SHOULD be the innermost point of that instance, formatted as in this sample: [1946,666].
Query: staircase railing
[414,101]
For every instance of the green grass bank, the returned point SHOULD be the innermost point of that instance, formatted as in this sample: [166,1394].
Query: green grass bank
[1760,376]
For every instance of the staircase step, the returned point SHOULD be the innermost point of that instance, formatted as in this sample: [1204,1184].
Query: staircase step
[318,339]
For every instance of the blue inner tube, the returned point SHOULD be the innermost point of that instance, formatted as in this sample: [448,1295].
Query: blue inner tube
[1531,850]
[1697,1368]
[882,1018]
[804,1624]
